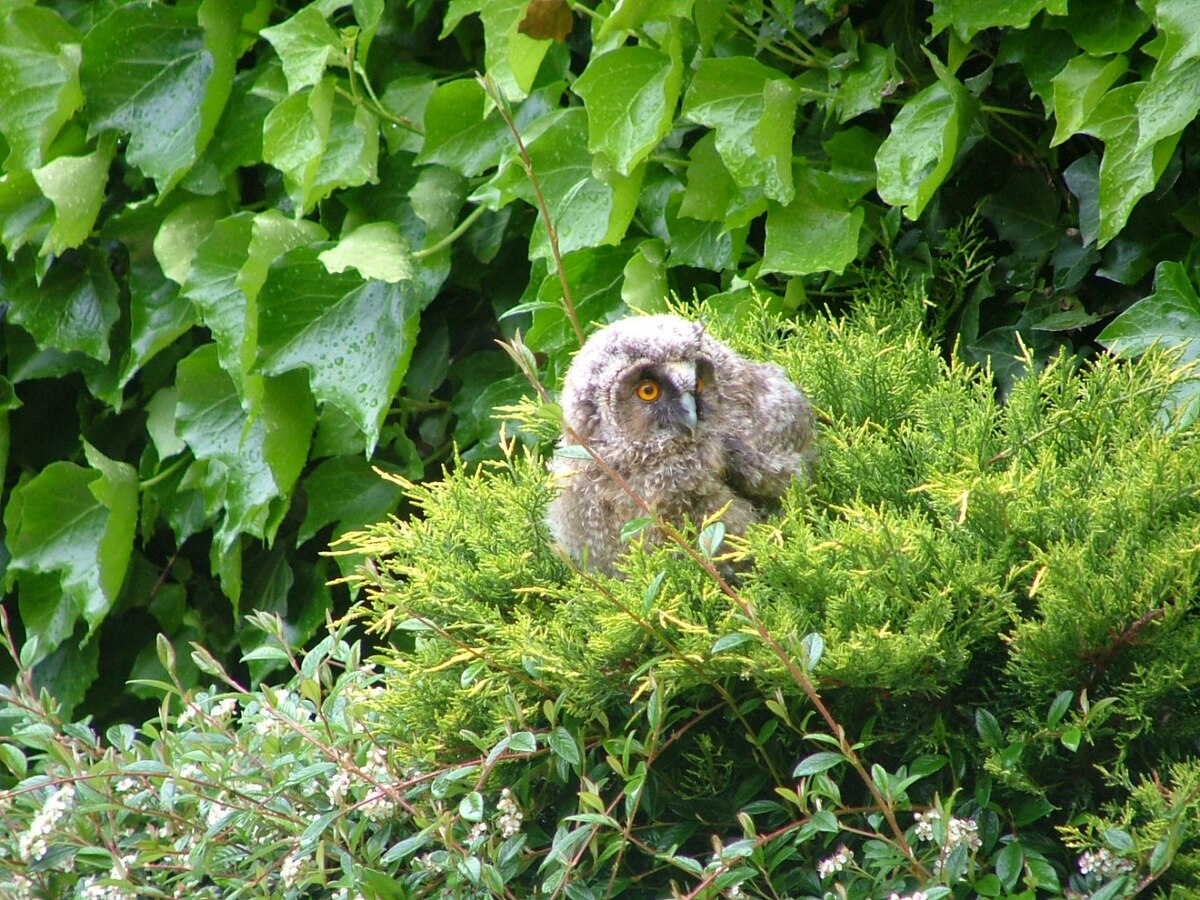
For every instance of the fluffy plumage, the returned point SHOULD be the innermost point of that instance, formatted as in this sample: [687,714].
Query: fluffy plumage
[687,423]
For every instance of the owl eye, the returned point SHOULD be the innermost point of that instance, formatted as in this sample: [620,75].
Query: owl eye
[701,384]
[648,391]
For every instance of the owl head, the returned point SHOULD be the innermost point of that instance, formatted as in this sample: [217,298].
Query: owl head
[646,380]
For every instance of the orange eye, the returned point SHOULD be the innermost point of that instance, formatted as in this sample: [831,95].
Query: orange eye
[701,384]
[648,391]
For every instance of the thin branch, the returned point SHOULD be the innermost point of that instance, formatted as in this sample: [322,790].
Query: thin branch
[488,83]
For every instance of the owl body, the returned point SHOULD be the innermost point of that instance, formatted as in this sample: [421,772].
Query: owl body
[687,425]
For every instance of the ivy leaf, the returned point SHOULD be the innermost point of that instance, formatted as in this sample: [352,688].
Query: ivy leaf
[375,250]
[75,185]
[711,193]
[321,141]
[76,524]
[346,492]
[510,57]
[39,82]
[25,213]
[158,314]
[816,232]
[354,336]
[1168,318]
[1106,26]
[1169,102]
[630,15]
[752,108]
[306,45]
[919,151]
[1078,90]
[630,96]
[244,463]
[462,131]
[969,17]
[589,206]
[225,278]
[160,95]
[73,308]
[866,84]
[1127,173]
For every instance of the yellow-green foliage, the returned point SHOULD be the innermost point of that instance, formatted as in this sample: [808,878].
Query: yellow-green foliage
[951,549]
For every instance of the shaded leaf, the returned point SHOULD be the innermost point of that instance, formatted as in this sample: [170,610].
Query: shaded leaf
[39,82]
[354,337]
[158,95]
[816,232]
[630,96]
[752,108]
[920,149]
[77,525]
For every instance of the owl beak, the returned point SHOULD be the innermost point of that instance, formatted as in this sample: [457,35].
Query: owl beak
[687,412]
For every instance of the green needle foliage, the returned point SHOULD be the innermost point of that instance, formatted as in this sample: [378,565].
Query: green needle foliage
[249,243]
[1008,589]
[962,661]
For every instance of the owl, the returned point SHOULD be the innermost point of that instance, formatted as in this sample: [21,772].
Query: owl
[684,421]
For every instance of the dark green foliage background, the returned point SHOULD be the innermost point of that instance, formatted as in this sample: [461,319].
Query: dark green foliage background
[250,246]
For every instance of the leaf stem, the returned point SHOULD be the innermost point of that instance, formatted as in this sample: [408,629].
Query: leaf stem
[488,83]
[164,474]
[471,218]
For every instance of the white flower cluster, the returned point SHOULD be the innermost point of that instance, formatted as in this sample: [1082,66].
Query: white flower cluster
[959,831]
[510,815]
[221,710]
[378,804]
[915,895]
[32,844]
[1104,864]
[90,887]
[216,812]
[339,786]
[288,706]
[835,863]
[292,866]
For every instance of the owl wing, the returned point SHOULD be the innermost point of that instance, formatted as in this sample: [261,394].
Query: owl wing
[769,435]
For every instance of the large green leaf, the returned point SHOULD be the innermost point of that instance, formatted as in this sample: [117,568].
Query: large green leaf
[75,185]
[920,149]
[39,82]
[76,524]
[1167,318]
[306,45]
[816,232]
[711,193]
[1127,171]
[752,108]
[462,129]
[168,95]
[321,141]
[229,268]
[345,492]
[158,315]
[630,96]
[244,464]
[74,307]
[25,213]
[1078,90]
[969,17]
[353,336]
[1106,26]
[589,205]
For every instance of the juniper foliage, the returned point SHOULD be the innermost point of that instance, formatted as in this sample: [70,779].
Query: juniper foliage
[966,564]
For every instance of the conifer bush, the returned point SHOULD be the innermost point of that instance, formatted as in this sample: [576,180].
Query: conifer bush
[960,661]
